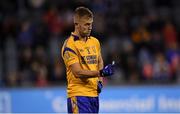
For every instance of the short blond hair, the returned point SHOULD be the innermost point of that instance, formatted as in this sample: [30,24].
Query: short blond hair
[82,12]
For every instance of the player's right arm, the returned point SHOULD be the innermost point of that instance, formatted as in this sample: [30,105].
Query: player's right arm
[72,61]
[81,73]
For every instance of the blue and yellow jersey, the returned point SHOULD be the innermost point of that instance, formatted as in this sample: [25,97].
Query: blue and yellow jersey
[86,54]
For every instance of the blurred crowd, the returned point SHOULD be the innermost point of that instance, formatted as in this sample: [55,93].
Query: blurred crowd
[142,36]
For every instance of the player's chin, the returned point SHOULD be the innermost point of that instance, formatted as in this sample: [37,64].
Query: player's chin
[88,34]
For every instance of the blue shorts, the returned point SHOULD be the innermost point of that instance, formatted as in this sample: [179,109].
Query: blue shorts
[82,104]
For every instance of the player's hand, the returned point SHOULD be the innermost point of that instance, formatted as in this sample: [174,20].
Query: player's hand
[108,70]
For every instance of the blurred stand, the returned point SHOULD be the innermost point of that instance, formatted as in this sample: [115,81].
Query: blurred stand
[142,36]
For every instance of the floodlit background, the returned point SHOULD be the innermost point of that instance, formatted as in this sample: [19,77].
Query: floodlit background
[142,36]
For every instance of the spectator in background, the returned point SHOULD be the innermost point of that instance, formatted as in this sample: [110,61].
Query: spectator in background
[54,21]
[173,57]
[41,76]
[58,72]
[169,34]
[141,37]
[157,43]
[25,72]
[40,55]
[161,69]
[13,79]
[145,63]
[25,37]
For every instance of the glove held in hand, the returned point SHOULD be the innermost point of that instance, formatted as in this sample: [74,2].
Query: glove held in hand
[107,70]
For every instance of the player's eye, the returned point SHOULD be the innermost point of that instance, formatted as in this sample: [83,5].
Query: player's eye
[88,24]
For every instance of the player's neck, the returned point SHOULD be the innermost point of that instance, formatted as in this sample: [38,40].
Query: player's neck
[80,37]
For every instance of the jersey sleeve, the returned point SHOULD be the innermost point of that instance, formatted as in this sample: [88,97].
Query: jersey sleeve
[69,55]
[70,58]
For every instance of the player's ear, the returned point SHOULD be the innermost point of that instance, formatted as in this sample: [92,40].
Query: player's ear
[75,19]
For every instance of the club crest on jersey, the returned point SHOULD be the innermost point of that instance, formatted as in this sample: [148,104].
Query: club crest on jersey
[94,49]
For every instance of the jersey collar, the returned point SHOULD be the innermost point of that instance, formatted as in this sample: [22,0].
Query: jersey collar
[77,37]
